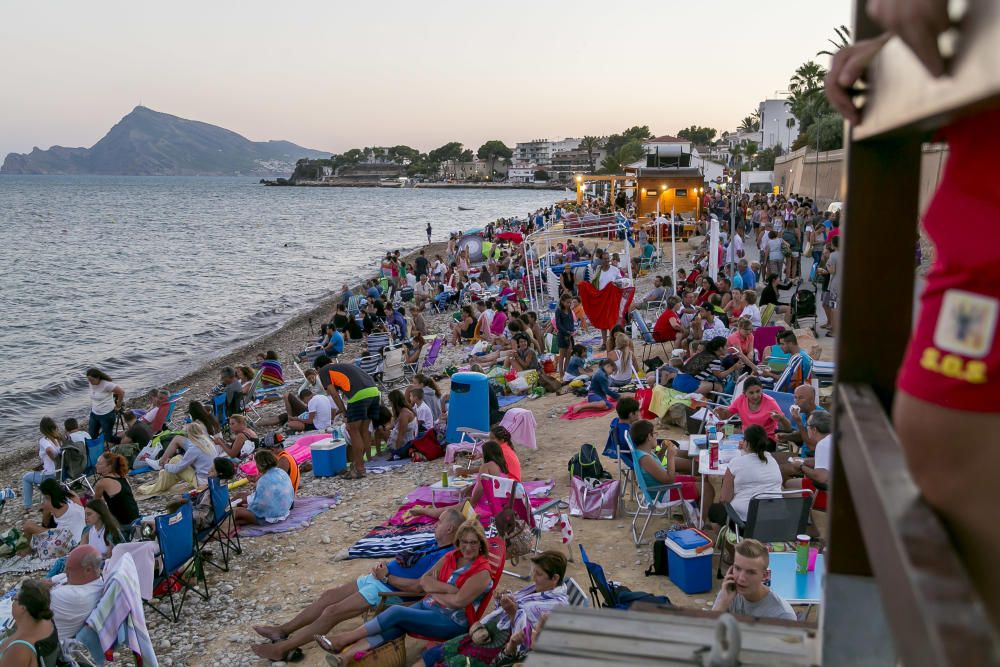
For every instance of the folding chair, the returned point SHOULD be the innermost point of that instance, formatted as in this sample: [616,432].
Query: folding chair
[766,314]
[577,596]
[647,336]
[652,500]
[223,529]
[433,352]
[617,450]
[95,448]
[602,592]
[175,536]
[220,409]
[393,371]
[773,517]
[539,519]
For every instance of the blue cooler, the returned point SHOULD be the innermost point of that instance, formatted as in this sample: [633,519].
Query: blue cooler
[329,457]
[468,404]
[690,570]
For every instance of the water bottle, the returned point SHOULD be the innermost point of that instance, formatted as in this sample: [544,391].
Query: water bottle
[713,446]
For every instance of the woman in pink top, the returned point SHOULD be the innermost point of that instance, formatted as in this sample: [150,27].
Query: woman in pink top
[499,321]
[753,407]
[742,337]
[502,436]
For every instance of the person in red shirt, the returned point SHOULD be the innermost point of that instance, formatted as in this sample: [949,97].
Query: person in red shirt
[668,327]
[948,387]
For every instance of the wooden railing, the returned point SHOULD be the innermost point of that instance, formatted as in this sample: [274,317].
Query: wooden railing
[896,590]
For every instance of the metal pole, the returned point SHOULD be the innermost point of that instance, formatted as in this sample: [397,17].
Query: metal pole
[673,252]
[816,172]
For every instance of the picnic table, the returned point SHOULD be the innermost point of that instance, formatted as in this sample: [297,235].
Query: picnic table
[587,637]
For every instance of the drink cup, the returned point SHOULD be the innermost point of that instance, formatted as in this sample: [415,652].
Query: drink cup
[802,554]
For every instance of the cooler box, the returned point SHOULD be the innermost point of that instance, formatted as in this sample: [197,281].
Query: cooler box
[329,457]
[468,404]
[690,570]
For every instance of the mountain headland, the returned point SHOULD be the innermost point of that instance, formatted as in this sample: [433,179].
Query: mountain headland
[151,143]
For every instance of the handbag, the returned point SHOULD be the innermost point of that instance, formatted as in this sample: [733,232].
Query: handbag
[514,531]
[593,498]
[428,446]
[645,396]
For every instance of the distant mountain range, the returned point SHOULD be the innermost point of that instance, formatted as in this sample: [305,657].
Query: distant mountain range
[151,143]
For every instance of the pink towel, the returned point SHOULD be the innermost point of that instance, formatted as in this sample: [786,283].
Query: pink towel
[143,555]
[587,413]
[521,424]
[300,452]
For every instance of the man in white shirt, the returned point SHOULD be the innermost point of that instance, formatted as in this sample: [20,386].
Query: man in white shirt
[318,414]
[711,326]
[608,273]
[74,600]
[422,292]
[485,318]
[743,591]
[816,470]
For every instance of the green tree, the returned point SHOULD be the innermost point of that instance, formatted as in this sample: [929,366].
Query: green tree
[826,132]
[638,133]
[765,159]
[493,150]
[697,135]
[750,123]
[402,153]
[627,153]
[589,143]
[450,151]
[843,40]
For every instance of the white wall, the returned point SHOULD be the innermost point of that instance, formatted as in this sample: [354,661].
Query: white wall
[773,116]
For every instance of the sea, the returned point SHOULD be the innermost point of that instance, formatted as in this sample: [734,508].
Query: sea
[147,278]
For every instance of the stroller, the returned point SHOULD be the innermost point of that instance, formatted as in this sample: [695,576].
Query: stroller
[803,305]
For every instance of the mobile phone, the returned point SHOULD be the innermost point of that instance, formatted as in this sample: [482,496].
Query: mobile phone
[731,586]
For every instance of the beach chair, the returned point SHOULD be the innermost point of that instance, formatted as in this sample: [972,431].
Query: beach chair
[656,500]
[182,564]
[95,448]
[577,596]
[223,529]
[647,336]
[544,518]
[774,517]
[393,369]
[433,352]
[619,451]
[602,592]
[766,314]
[221,410]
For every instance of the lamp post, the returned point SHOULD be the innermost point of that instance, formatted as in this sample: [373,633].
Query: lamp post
[579,190]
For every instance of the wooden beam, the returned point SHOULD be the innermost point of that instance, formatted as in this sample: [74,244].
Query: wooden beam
[904,98]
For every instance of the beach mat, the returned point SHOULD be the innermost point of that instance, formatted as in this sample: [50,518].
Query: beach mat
[23,564]
[507,401]
[382,464]
[306,508]
[589,413]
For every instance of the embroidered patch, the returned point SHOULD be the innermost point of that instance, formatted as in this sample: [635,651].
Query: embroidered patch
[966,323]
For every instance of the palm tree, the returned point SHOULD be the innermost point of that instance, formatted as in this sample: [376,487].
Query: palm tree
[808,77]
[734,154]
[750,123]
[790,123]
[843,40]
[589,143]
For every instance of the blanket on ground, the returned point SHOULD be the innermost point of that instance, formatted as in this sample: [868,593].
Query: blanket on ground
[22,564]
[299,450]
[506,401]
[306,508]
[586,413]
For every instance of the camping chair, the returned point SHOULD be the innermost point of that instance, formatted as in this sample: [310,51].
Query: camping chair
[764,337]
[617,450]
[220,409]
[647,336]
[577,596]
[544,518]
[653,500]
[172,401]
[182,564]
[602,592]
[95,448]
[223,528]
[777,517]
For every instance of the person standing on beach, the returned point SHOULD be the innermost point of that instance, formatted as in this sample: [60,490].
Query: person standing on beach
[428,232]
[105,401]
[347,381]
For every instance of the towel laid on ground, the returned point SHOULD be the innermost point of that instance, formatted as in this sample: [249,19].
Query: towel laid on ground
[305,509]
[299,450]
[505,401]
[586,414]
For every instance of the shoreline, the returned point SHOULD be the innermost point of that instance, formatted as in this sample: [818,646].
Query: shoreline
[418,186]
[287,339]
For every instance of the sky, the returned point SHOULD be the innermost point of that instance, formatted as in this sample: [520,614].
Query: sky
[335,74]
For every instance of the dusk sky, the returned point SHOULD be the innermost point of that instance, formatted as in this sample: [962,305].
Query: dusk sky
[335,75]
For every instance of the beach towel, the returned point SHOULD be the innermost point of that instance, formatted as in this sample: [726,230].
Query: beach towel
[22,564]
[306,508]
[165,481]
[664,398]
[382,464]
[586,414]
[607,307]
[521,425]
[506,401]
[299,451]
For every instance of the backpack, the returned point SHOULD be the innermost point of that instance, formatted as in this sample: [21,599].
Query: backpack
[660,566]
[586,464]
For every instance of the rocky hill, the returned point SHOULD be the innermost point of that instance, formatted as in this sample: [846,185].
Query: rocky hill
[151,143]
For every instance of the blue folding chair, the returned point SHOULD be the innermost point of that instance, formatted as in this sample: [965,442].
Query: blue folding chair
[220,409]
[602,592]
[182,565]
[615,449]
[95,448]
[647,336]
[223,528]
[652,500]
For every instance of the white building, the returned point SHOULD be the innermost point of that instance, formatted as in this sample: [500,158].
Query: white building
[522,173]
[540,151]
[774,125]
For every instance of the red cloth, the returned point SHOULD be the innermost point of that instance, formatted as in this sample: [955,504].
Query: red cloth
[607,307]
[450,564]
[510,236]
[953,358]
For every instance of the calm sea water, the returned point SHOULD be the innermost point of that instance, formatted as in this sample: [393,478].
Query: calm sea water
[147,278]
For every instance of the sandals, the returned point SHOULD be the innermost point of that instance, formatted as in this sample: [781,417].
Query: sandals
[325,644]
